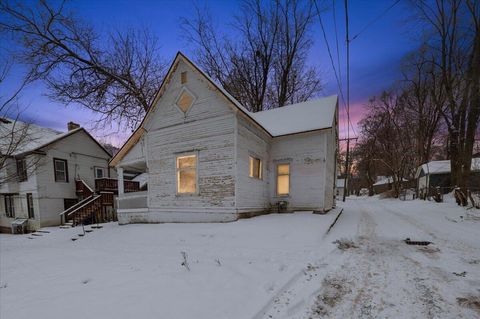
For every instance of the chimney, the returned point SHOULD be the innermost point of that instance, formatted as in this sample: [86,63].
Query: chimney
[71,126]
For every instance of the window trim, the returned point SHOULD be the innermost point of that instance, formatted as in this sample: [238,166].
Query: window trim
[30,208]
[11,199]
[177,171]
[183,77]
[177,99]
[55,170]
[276,178]
[22,176]
[104,172]
[260,167]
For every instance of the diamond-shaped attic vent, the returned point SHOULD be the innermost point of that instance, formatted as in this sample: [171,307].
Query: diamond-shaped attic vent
[185,101]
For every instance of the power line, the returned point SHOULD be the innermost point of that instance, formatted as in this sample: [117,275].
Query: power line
[375,20]
[339,84]
[336,41]
[347,166]
[330,54]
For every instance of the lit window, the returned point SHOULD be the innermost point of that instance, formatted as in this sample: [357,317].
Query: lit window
[61,170]
[185,101]
[283,179]
[187,174]
[255,168]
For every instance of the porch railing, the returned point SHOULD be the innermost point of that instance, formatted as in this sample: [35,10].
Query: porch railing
[111,185]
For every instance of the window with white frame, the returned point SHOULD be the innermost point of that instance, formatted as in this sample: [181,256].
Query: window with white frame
[283,179]
[186,166]
[31,213]
[100,172]
[9,205]
[61,170]
[255,167]
[22,170]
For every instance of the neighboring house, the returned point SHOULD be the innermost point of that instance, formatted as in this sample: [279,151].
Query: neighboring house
[437,174]
[47,165]
[207,158]
[384,183]
[340,187]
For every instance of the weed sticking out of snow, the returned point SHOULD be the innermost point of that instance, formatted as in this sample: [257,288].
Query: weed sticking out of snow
[185,261]
[472,302]
[3,286]
[311,267]
[217,261]
[460,274]
[333,291]
[86,281]
[344,244]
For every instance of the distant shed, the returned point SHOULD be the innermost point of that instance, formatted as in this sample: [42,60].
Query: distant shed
[437,174]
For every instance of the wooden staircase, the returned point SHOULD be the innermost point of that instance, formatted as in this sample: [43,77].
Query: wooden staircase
[88,211]
[94,205]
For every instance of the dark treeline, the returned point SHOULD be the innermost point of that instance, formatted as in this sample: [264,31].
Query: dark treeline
[433,111]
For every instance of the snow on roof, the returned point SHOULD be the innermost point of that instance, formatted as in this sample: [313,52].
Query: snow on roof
[442,167]
[301,117]
[387,180]
[295,118]
[340,182]
[31,137]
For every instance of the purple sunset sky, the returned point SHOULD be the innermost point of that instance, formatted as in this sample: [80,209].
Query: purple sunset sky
[375,54]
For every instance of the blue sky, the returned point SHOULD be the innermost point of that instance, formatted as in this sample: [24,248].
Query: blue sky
[375,53]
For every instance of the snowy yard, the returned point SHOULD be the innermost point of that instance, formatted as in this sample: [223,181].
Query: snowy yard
[273,266]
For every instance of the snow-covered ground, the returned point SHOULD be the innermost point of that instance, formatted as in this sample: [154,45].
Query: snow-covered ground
[273,266]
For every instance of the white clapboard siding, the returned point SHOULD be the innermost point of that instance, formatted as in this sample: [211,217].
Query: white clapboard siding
[251,194]
[307,155]
[213,141]
[207,129]
[208,102]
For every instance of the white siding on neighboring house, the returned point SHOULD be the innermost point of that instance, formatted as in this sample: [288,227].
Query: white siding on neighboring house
[20,189]
[82,155]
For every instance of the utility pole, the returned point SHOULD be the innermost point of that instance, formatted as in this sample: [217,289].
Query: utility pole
[347,166]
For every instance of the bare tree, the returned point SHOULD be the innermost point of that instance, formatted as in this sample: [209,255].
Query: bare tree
[14,135]
[387,140]
[265,65]
[454,40]
[419,95]
[116,76]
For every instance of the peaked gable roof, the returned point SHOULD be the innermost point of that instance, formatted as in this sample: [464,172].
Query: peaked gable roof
[37,137]
[291,119]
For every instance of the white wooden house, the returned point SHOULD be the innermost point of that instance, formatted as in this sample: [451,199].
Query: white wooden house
[43,170]
[436,174]
[205,157]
